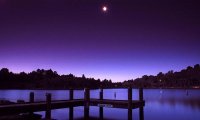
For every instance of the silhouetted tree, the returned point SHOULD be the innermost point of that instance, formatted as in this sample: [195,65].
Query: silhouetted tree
[83,76]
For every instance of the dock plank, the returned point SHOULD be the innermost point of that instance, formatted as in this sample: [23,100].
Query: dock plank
[117,103]
[41,106]
[38,106]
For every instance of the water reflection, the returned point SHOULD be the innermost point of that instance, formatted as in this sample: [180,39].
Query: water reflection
[173,97]
[169,104]
[192,102]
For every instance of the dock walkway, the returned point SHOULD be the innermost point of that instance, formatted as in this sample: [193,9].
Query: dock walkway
[49,104]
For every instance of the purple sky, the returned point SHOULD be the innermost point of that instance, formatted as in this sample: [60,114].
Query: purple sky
[133,38]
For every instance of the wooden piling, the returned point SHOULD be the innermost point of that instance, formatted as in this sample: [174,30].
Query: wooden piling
[31,100]
[86,103]
[48,106]
[141,113]
[130,103]
[71,109]
[31,97]
[101,108]
[140,94]
[141,108]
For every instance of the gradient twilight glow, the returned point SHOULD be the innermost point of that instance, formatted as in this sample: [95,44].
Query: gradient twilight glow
[73,36]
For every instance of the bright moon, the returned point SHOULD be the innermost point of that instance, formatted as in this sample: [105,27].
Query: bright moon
[104,8]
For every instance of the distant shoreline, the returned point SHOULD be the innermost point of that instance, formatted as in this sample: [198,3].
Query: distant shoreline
[41,79]
[104,88]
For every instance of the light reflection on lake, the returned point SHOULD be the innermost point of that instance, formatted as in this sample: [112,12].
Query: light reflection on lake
[165,104]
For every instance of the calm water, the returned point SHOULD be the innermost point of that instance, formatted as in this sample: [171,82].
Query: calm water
[166,104]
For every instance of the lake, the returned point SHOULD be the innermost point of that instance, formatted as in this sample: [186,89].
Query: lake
[161,104]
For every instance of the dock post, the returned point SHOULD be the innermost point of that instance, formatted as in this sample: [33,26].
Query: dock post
[140,94]
[101,108]
[31,100]
[141,108]
[71,109]
[130,103]
[48,106]
[31,97]
[86,102]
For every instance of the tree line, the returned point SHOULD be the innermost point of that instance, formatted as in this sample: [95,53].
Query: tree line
[186,78]
[48,79]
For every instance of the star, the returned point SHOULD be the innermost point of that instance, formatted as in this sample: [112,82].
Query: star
[104,8]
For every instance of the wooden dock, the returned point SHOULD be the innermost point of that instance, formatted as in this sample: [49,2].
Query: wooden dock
[48,105]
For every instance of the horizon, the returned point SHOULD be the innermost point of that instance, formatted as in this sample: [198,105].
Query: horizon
[97,78]
[126,41]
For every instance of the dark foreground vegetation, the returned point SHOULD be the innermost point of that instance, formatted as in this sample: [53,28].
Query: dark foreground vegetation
[48,79]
